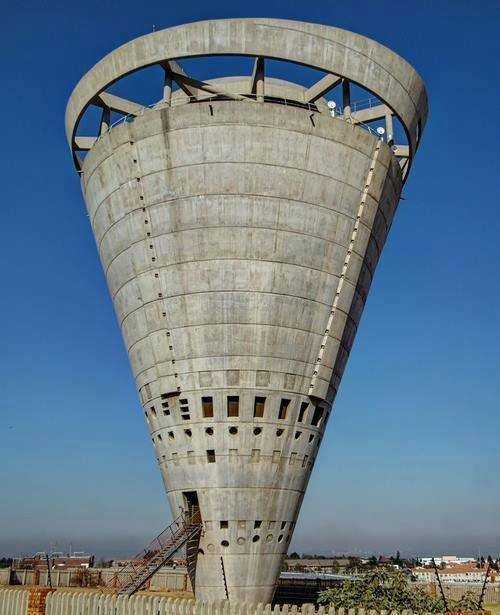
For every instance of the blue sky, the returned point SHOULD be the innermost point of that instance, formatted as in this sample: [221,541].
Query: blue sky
[411,459]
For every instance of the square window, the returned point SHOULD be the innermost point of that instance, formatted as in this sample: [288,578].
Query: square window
[224,525]
[258,407]
[283,409]
[207,407]
[257,524]
[233,405]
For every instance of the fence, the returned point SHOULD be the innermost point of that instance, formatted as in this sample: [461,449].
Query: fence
[457,590]
[166,579]
[65,602]
[14,601]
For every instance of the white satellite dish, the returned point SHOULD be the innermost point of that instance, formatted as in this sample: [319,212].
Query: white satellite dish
[331,104]
[381,131]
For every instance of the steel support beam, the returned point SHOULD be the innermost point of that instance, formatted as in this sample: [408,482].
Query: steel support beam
[258,77]
[118,104]
[371,114]
[321,87]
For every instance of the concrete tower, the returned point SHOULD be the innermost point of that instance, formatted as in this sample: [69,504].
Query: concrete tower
[239,223]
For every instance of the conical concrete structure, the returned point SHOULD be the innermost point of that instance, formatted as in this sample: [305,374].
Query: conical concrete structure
[239,226]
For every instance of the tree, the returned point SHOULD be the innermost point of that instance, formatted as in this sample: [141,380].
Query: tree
[386,590]
[294,555]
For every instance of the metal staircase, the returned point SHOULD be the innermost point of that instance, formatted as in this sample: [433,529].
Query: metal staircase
[131,577]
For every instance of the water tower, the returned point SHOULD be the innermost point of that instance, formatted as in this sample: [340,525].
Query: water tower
[239,222]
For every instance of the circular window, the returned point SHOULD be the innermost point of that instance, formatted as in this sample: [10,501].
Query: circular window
[225,543]
[279,432]
[209,431]
[257,431]
[210,548]
[240,540]
[280,537]
[269,538]
[233,431]
[256,538]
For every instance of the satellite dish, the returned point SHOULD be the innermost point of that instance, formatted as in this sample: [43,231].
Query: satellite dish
[331,104]
[381,131]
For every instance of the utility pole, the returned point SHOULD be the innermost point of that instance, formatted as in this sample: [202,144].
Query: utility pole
[483,590]
[440,586]
[49,576]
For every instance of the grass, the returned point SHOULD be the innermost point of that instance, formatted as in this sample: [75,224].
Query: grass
[494,609]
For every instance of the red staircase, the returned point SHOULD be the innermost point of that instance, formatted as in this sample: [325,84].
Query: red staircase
[131,577]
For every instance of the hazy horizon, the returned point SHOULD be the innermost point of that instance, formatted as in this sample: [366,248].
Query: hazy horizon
[410,458]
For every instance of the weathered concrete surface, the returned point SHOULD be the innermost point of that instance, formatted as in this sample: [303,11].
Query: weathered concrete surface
[344,53]
[239,241]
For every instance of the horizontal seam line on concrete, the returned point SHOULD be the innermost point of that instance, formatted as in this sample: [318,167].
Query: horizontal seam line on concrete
[230,258]
[230,291]
[246,488]
[217,324]
[189,359]
[226,162]
[225,123]
[178,233]
[234,195]
[269,388]
[357,51]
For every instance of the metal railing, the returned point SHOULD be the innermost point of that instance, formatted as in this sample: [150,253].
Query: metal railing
[337,113]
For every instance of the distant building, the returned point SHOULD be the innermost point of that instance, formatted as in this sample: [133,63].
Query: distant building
[321,565]
[58,561]
[456,573]
[446,560]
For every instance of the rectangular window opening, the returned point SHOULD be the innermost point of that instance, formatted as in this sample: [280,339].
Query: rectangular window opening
[233,405]
[283,409]
[317,416]
[302,411]
[211,456]
[207,407]
[257,524]
[224,525]
[258,407]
